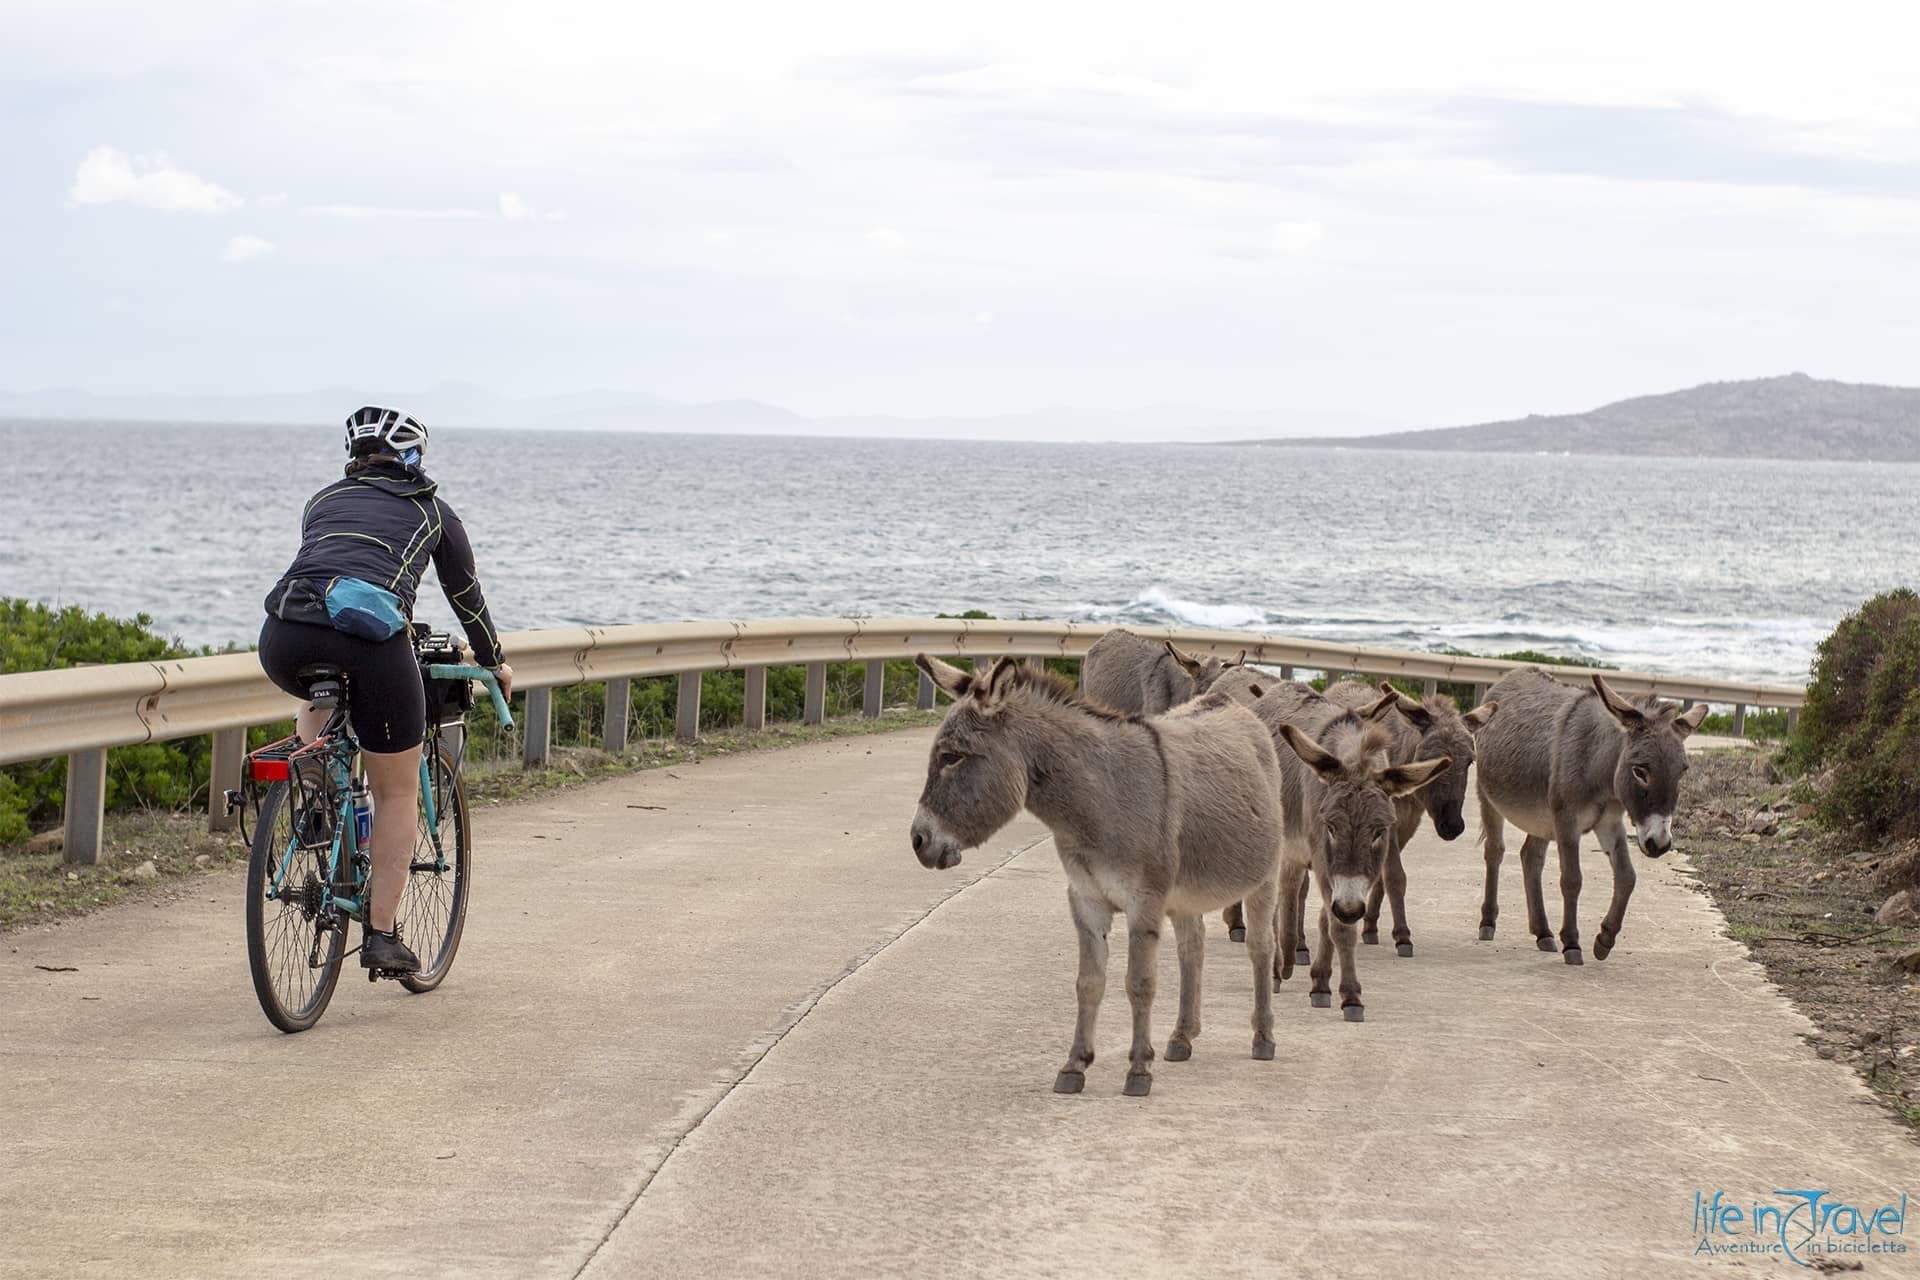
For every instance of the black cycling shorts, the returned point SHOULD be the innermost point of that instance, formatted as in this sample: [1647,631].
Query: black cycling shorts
[384,693]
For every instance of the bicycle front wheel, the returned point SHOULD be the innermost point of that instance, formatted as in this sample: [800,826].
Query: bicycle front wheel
[293,952]
[433,905]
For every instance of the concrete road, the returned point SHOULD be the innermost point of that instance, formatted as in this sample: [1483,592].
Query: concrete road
[747,1033]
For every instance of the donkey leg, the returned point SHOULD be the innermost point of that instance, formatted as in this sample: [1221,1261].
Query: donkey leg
[1143,951]
[1533,860]
[1343,940]
[1300,953]
[1190,935]
[1235,918]
[1287,930]
[1396,882]
[1493,842]
[1261,905]
[1568,839]
[1320,995]
[1091,920]
[1370,926]
[1613,834]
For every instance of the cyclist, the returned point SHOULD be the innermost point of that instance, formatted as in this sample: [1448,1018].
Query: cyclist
[347,601]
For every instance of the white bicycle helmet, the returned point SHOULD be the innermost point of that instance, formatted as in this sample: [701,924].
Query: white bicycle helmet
[394,429]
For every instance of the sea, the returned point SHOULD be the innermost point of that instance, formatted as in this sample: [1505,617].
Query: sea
[1714,568]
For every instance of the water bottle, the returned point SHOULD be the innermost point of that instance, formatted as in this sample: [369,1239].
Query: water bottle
[362,815]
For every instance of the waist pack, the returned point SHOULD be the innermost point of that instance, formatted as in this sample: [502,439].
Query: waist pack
[349,605]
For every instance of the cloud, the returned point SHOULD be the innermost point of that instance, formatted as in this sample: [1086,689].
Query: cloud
[514,209]
[246,248]
[1295,238]
[108,175]
[887,240]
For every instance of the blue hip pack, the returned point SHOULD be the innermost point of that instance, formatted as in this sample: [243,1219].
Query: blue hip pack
[361,609]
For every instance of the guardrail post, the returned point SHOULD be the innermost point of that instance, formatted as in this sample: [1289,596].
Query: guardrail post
[755,710]
[686,708]
[925,699]
[229,750]
[1480,693]
[1286,672]
[619,708]
[536,718]
[1429,687]
[86,815]
[815,709]
[1739,719]
[873,696]
[1793,720]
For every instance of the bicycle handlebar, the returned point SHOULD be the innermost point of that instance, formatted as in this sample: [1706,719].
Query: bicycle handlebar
[447,671]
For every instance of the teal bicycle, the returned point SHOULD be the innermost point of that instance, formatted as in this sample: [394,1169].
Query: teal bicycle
[307,879]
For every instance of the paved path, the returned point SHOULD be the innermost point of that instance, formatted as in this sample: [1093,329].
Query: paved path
[748,1034]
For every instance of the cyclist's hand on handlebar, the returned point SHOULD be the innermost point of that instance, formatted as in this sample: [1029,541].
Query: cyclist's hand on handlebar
[504,674]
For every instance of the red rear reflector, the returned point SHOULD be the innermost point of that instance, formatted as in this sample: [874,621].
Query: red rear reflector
[270,771]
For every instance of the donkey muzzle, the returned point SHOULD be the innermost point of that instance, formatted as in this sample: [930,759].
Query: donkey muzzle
[1349,898]
[936,849]
[1449,828]
[1656,835]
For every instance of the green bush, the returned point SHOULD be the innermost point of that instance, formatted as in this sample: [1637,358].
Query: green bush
[157,775]
[1862,718]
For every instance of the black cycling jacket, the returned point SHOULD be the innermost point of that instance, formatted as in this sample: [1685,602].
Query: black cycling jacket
[382,525]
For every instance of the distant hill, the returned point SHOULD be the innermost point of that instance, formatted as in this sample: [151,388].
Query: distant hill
[1794,417]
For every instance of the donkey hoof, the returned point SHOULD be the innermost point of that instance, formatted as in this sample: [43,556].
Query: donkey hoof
[1263,1051]
[1070,1082]
[1371,937]
[1302,956]
[1138,1084]
[1237,934]
[1486,933]
[1404,950]
[1276,984]
[1547,944]
[1321,999]
[1601,948]
[1354,1013]
[1572,956]
[1179,1050]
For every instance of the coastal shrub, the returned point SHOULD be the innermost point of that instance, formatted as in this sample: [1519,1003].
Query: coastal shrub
[1862,719]
[155,775]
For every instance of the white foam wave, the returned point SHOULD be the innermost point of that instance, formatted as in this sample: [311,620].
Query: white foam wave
[1227,617]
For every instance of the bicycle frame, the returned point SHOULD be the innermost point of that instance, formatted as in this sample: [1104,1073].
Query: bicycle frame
[338,747]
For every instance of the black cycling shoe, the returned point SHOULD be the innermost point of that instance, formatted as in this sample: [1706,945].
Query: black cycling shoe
[385,953]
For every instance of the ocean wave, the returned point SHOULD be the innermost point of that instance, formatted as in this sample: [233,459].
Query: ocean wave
[1225,617]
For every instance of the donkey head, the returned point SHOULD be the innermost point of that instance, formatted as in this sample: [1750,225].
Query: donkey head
[1443,731]
[1647,778]
[1356,808]
[977,772]
[1204,671]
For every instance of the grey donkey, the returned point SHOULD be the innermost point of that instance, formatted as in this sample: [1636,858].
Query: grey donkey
[1561,761]
[1132,673]
[1427,728]
[1338,786]
[1153,817]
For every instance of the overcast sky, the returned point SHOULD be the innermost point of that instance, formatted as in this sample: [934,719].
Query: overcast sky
[1355,215]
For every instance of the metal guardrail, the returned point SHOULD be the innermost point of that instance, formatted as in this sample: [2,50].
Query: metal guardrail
[82,712]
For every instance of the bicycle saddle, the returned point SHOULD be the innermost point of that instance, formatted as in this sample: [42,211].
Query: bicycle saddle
[325,685]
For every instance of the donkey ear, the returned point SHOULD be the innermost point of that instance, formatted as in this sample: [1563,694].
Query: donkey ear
[945,675]
[1625,712]
[1311,753]
[1416,713]
[1188,664]
[1405,779]
[1477,718]
[1687,721]
[1240,661]
[994,685]
[1377,710]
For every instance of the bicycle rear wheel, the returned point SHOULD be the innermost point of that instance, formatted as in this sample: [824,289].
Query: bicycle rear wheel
[433,904]
[295,962]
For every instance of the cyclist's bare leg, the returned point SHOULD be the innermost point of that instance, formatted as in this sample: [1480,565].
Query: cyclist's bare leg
[395,779]
[310,721]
